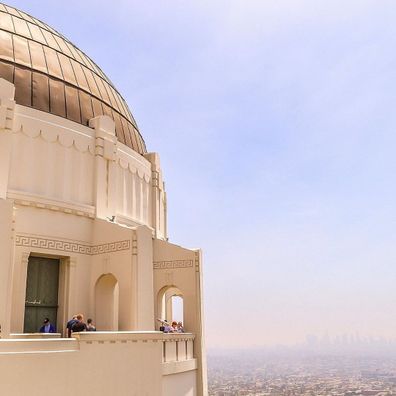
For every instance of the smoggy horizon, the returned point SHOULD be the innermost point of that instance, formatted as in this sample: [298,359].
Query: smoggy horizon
[275,125]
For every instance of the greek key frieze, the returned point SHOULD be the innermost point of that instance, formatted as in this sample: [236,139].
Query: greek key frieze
[71,246]
[173,264]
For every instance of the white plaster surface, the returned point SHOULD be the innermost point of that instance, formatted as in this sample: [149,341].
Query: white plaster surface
[75,193]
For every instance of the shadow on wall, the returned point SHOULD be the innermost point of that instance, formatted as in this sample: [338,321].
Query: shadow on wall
[107,303]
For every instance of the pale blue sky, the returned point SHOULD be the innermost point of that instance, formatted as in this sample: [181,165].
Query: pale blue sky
[275,121]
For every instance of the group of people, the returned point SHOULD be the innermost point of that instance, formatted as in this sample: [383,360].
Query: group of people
[174,327]
[77,324]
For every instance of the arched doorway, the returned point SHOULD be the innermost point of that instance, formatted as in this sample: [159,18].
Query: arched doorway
[106,303]
[171,304]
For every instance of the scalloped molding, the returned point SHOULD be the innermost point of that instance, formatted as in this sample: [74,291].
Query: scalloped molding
[128,161]
[82,138]
[49,129]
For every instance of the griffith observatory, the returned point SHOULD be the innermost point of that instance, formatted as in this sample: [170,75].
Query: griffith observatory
[83,229]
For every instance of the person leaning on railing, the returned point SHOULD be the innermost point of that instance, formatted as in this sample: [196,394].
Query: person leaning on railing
[165,326]
[180,328]
[79,325]
[174,327]
[70,324]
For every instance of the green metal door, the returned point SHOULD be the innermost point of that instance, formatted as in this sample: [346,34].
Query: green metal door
[41,293]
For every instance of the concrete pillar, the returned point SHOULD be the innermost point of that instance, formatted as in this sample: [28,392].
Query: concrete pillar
[105,166]
[7,104]
[7,241]
[200,349]
[168,307]
[142,274]
[158,211]
[19,275]
[7,248]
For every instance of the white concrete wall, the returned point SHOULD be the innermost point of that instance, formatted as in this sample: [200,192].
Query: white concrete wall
[177,267]
[58,163]
[75,193]
[108,368]
[88,249]
[51,158]
[180,384]
[133,174]
[96,363]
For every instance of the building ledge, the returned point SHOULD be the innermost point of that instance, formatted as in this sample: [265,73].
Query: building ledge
[36,346]
[179,367]
[118,336]
[34,336]
[177,349]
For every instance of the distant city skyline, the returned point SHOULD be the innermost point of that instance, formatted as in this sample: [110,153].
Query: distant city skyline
[276,119]
[263,375]
[340,344]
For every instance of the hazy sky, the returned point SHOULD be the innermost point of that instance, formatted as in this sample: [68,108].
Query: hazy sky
[276,125]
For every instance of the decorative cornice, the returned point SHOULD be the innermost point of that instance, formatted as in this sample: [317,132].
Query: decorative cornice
[50,130]
[71,246]
[173,264]
[22,198]
[139,167]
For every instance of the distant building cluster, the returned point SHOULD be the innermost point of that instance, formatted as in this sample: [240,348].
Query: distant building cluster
[306,376]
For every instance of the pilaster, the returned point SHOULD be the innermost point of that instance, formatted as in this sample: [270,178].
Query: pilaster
[200,349]
[142,273]
[7,248]
[105,166]
[7,105]
[72,284]
[158,211]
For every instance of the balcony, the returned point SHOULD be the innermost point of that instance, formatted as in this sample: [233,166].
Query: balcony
[150,362]
[177,348]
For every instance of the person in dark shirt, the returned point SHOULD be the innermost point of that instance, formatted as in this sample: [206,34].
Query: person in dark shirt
[47,327]
[70,324]
[79,325]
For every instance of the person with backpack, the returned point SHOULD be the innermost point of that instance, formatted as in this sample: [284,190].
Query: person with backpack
[70,324]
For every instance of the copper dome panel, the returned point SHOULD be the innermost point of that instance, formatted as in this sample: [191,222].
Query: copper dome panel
[51,74]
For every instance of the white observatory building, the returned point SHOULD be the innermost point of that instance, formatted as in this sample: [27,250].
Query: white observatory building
[83,229]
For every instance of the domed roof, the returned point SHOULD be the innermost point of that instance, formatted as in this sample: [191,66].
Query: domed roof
[53,75]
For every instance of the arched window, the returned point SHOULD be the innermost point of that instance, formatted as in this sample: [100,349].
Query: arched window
[170,304]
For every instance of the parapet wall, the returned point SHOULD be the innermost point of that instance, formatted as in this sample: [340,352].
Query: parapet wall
[102,363]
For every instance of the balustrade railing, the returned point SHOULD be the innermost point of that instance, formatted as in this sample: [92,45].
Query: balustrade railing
[177,347]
